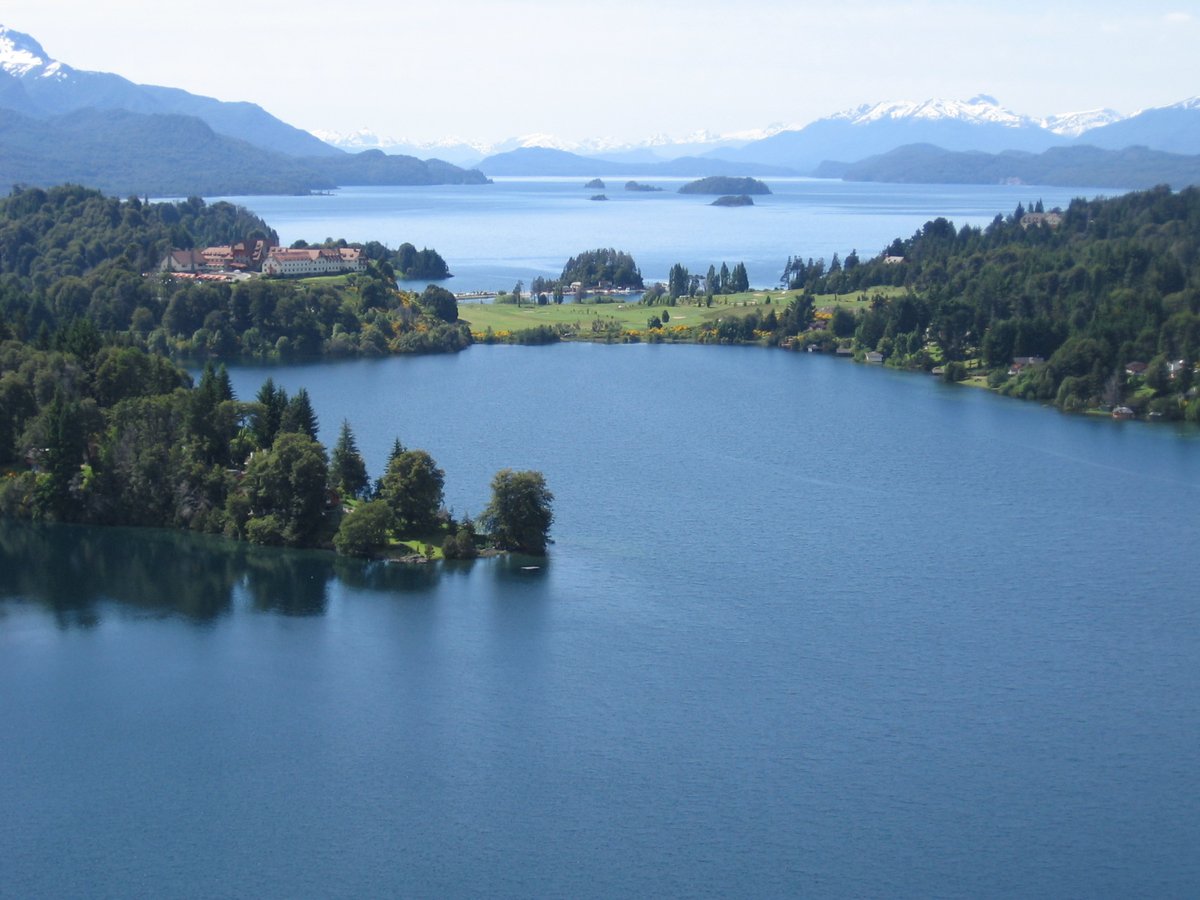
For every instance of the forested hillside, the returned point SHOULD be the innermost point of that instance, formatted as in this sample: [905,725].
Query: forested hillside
[73,260]
[1109,283]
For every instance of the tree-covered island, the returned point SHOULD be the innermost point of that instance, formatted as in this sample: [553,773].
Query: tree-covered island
[726,185]
[734,200]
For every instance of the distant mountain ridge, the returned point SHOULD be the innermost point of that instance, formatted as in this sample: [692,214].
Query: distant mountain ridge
[33,83]
[124,153]
[60,124]
[979,123]
[38,87]
[1130,168]
[546,161]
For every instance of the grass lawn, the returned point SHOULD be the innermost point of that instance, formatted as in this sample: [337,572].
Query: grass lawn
[632,316]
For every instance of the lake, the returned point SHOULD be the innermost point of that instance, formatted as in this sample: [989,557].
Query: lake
[809,628]
[521,228]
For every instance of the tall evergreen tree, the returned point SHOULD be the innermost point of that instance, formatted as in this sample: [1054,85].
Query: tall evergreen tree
[298,416]
[347,469]
[272,402]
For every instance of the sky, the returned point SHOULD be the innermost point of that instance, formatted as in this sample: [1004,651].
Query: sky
[485,71]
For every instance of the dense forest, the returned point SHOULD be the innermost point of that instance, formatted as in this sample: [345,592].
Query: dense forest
[99,425]
[106,434]
[605,266]
[70,255]
[1107,293]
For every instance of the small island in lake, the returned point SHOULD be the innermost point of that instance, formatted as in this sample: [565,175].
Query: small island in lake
[595,184]
[644,188]
[734,200]
[599,197]
[725,184]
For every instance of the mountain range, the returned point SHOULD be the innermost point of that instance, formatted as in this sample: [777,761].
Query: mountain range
[979,125]
[1130,168]
[58,123]
[33,83]
[61,123]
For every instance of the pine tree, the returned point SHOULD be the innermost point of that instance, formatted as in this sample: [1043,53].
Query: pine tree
[298,416]
[347,469]
[272,401]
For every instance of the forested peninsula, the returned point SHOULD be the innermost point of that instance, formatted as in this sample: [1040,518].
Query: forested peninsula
[110,435]
[1092,308]
[71,254]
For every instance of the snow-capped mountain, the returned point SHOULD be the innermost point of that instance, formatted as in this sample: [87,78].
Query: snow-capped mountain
[979,123]
[980,109]
[660,146]
[1076,123]
[23,57]
[1172,129]
[34,83]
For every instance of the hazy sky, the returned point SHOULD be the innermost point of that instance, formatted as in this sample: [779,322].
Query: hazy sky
[489,70]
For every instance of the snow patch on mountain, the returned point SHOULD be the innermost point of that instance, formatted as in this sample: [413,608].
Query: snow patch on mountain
[1189,103]
[367,139]
[1076,123]
[22,56]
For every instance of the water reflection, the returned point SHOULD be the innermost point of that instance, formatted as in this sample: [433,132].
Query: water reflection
[74,571]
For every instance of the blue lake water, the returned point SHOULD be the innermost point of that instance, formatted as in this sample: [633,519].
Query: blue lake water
[809,629]
[519,228]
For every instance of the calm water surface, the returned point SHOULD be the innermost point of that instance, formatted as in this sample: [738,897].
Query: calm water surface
[809,628]
[520,228]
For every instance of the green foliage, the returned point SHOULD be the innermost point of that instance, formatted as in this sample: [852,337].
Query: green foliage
[412,488]
[461,545]
[285,486]
[347,469]
[440,302]
[519,514]
[412,263]
[1114,281]
[298,415]
[72,275]
[365,529]
[603,266]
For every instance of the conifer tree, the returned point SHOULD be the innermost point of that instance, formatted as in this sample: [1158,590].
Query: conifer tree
[347,469]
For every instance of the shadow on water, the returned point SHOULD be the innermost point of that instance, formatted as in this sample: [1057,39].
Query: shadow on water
[73,571]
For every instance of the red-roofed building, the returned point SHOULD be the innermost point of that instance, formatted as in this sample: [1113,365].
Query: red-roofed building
[313,261]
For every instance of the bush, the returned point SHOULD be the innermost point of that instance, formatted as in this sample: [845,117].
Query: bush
[365,529]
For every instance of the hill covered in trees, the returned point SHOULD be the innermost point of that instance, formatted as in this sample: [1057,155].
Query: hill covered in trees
[73,259]
[1107,293]
[602,267]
